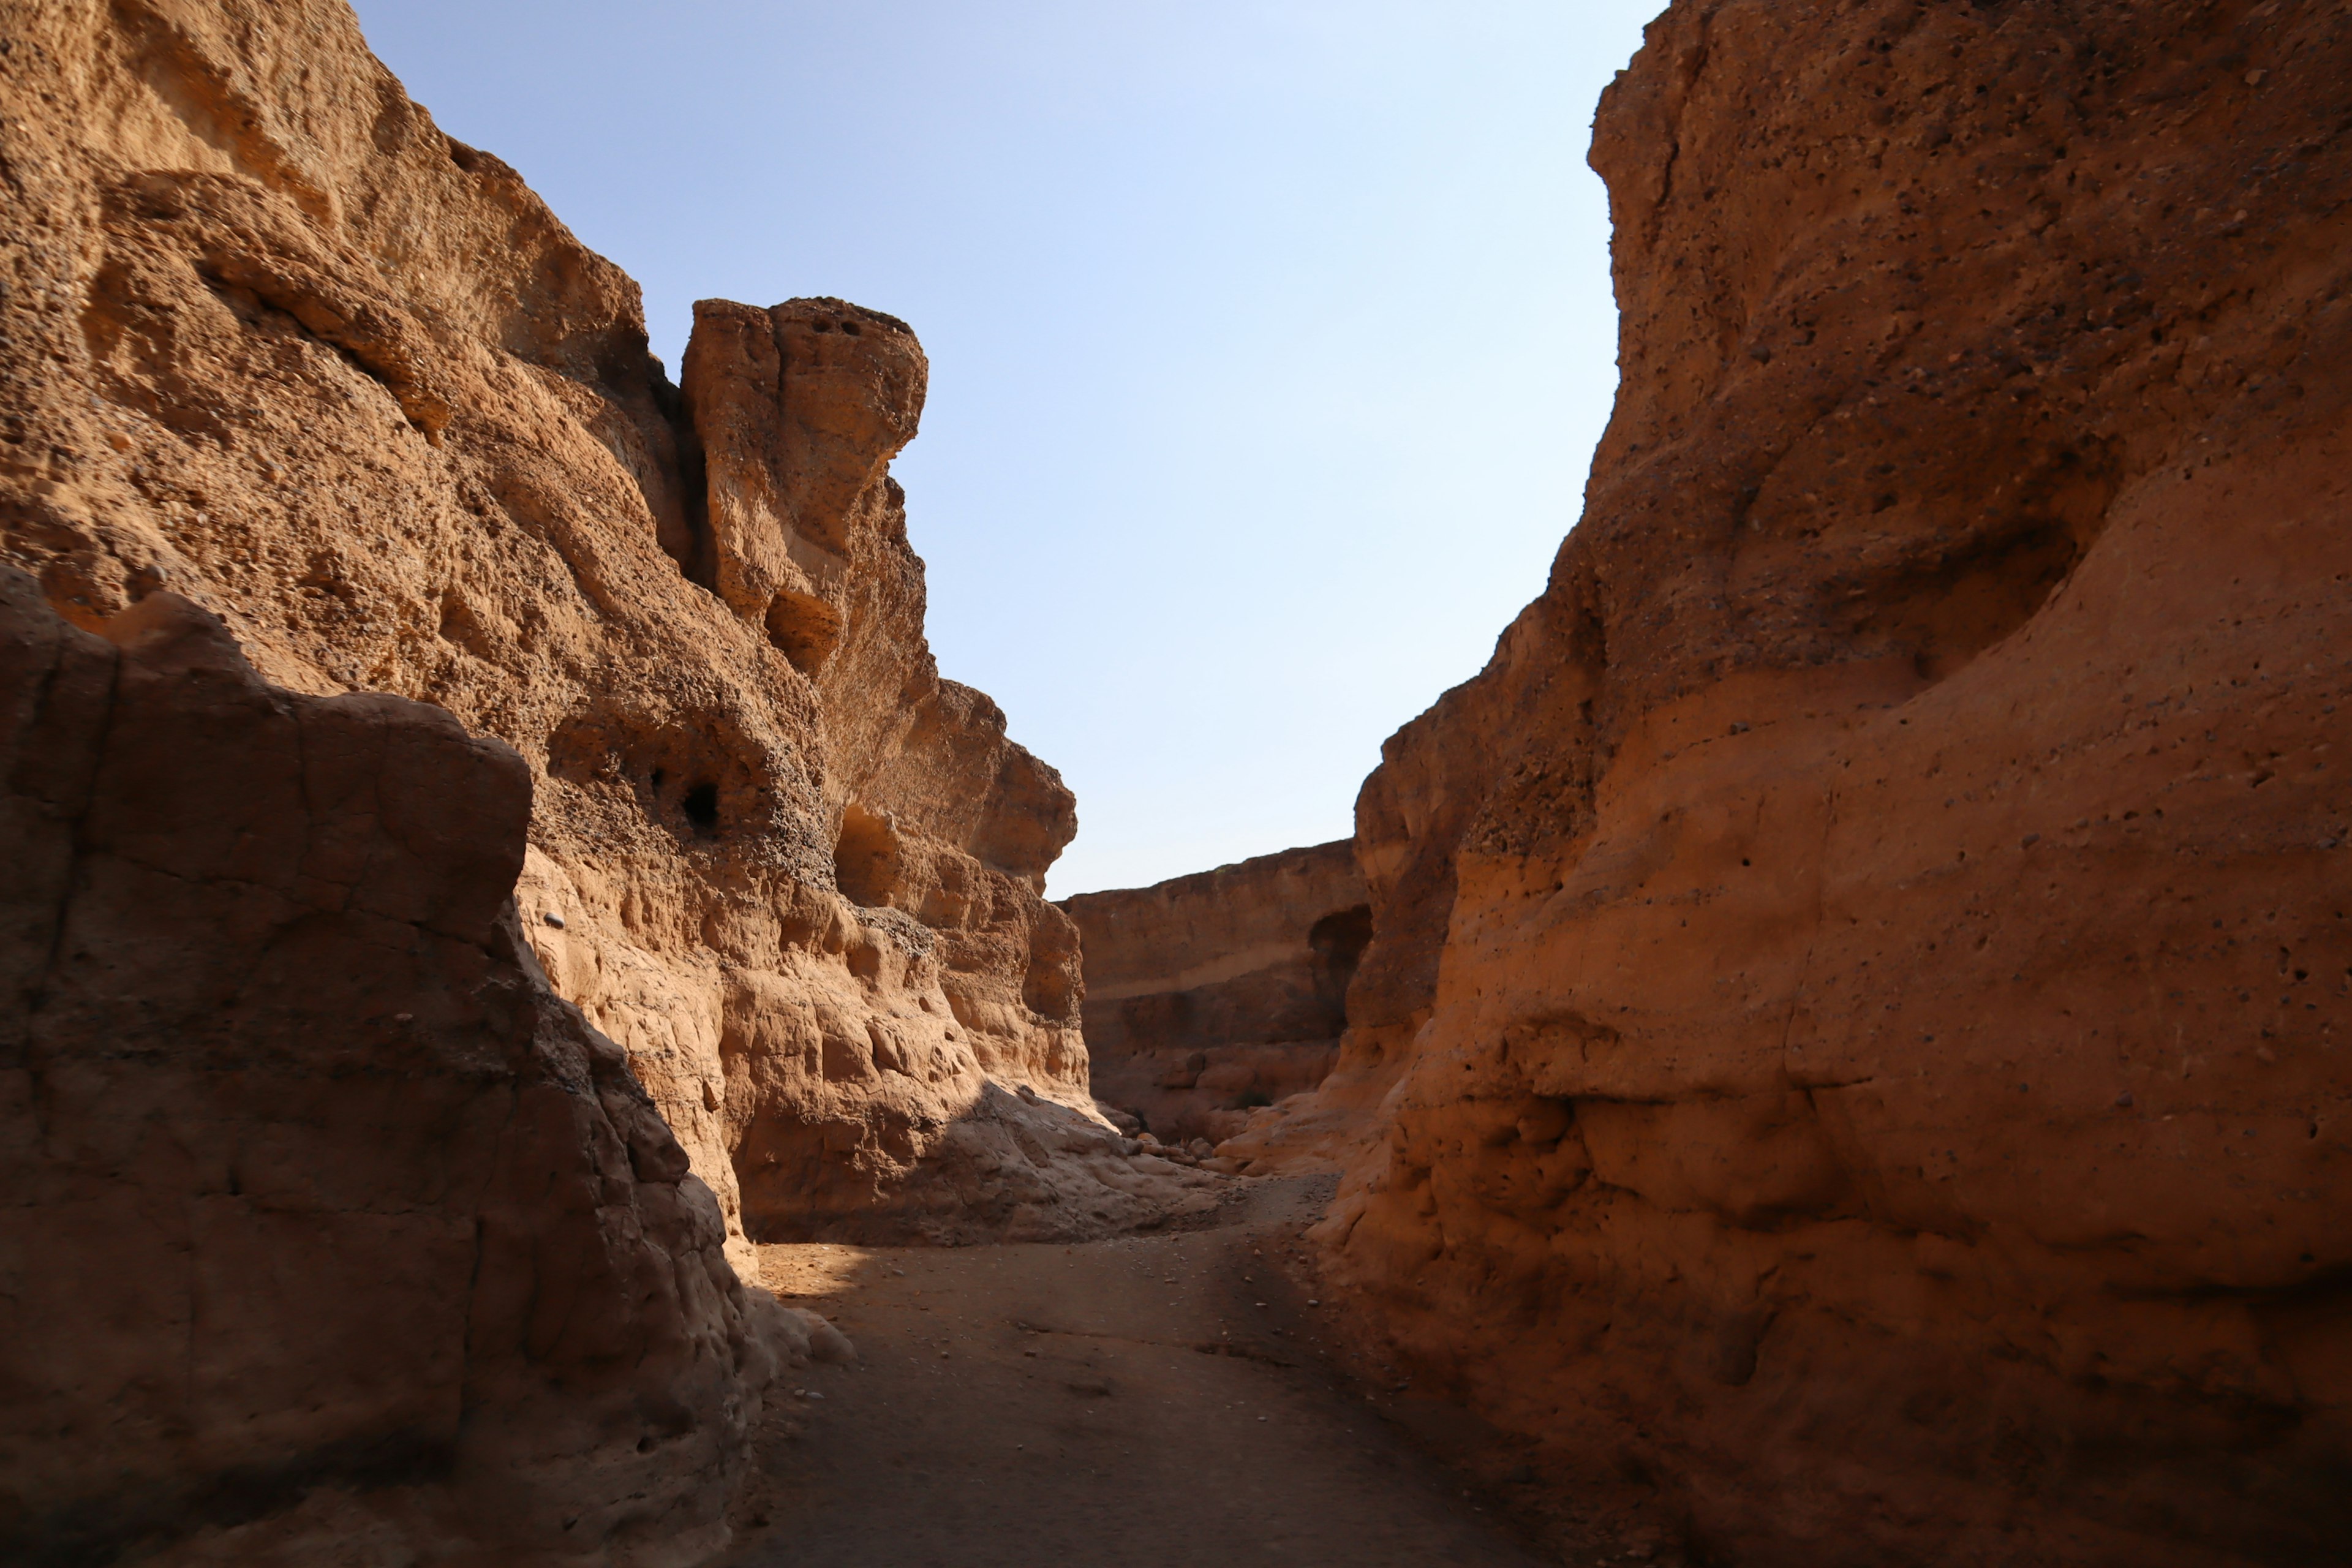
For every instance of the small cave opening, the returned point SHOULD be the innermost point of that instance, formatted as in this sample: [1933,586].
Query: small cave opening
[694,777]
[1338,940]
[805,628]
[1048,988]
[700,804]
[1951,599]
[866,858]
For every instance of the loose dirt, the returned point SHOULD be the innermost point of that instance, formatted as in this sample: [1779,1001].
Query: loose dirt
[1169,1397]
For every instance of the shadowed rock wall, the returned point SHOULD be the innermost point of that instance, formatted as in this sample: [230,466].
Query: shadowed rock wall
[328,1226]
[269,337]
[1209,995]
[1854,1037]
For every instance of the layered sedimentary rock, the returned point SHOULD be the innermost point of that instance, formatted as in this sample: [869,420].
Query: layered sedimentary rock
[1863,981]
[1209,995]
[272,340]
[329,1228]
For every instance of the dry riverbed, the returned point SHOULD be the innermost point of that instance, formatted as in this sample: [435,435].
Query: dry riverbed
[1172,1397]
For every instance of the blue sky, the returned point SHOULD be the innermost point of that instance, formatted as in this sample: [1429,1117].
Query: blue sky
[1269,339]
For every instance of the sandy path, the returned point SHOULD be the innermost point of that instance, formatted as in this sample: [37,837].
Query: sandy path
[1153,1399]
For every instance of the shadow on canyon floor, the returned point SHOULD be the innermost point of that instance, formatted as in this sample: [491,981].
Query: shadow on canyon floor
[1175,1396]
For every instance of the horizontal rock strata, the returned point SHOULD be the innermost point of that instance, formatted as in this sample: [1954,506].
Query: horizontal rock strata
[1211,994]
[1861,983]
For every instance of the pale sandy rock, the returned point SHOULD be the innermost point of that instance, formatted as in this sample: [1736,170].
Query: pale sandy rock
[331,1228]
[269,337]
[274,345]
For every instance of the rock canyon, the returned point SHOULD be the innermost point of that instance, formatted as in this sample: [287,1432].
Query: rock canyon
[1836,1036]
[1213,993]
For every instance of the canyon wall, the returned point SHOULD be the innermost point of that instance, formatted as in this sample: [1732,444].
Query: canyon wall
[330,1229]
[1855,1034]
[270,339]
[1209,995]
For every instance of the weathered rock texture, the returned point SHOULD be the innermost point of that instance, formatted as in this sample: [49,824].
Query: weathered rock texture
[1865,973]
[328,1226]
[270,337]
[1209,995]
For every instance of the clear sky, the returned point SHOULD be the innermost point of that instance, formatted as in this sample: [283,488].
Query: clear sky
[1269,339]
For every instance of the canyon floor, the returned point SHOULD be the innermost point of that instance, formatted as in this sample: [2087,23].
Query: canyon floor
[1172,1396]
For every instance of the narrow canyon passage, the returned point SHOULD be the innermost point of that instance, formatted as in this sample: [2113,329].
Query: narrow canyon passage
[1146,1398]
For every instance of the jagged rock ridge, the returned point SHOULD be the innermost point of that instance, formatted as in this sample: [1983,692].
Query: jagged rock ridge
[275,350]
[276,341]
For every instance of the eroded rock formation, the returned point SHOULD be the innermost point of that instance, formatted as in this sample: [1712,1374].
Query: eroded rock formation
[331,1222]
[328,1226]
[1862,983]
[273,340]
[1209,995]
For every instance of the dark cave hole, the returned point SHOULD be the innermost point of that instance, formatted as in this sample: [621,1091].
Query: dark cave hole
[701,807]
[1339,941]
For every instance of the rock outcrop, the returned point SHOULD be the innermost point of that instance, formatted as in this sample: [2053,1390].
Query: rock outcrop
[1209,995]
[333,1220]
[331,1233]
[1863,981]
[270,339]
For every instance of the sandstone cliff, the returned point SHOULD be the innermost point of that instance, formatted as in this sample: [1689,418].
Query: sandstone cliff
[1862,982]
[1209,995]
[329,1228]
[269,337]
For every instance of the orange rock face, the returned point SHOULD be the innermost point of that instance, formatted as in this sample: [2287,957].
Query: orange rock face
[1863,981]
[1211,994]
[329,1226]
[273,341]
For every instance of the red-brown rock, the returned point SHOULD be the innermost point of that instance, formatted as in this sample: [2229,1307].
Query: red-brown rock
[1213,994]
[1862,982]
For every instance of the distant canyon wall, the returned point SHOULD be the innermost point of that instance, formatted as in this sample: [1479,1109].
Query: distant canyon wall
[1209,995]
[1854,1037]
